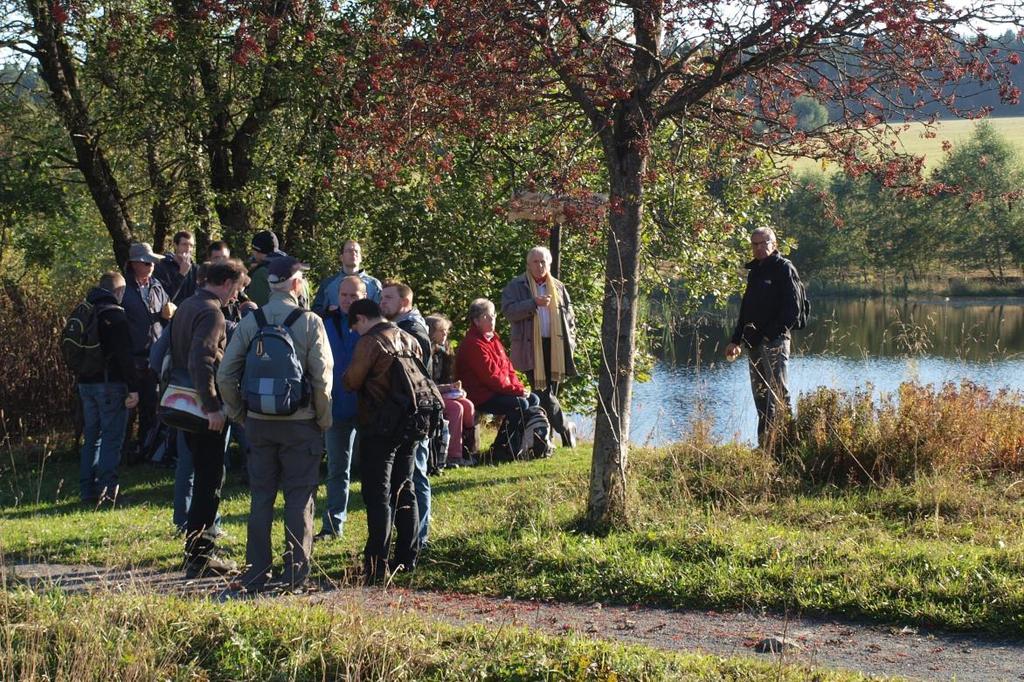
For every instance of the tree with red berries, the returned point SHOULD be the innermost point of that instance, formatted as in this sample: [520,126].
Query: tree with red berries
[644,75]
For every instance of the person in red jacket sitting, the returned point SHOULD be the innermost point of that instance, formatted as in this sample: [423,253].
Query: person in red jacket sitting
[486,372]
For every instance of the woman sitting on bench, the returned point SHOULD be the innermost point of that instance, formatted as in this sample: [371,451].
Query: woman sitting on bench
[486,372]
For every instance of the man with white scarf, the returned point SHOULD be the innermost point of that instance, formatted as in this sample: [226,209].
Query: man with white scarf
[543,334]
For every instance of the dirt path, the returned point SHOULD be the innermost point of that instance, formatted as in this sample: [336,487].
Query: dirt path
[834,643]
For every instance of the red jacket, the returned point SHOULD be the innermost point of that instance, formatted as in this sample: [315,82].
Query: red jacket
[484,368]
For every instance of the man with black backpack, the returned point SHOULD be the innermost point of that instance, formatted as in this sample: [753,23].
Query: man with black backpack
[276,378]
[398,405]
[96,344]
[396,306]
[773,303]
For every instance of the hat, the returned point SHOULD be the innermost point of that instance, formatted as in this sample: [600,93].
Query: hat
[141,252]
[265,242]
[283,268]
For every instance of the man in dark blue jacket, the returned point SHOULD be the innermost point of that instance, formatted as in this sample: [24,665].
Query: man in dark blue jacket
[770,308]
[106,396]
[147,307]
[341,437]
[177,271]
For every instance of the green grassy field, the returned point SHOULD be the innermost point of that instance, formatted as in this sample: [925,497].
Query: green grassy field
[956,131]
[713,526]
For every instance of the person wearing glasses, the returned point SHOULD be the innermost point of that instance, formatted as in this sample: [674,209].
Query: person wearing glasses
[770,308]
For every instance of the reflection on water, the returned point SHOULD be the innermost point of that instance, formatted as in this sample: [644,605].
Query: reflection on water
[848,344]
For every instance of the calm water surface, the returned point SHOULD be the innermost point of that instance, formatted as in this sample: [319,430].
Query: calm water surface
[848,344]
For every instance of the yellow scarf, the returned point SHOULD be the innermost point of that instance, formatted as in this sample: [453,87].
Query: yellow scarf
[540,380]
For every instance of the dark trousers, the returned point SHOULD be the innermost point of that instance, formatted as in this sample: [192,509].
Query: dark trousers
[512,407]
[208,459]
[148,399]
[386,470]
[549,396]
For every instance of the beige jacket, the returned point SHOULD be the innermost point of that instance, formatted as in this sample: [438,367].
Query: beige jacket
[311,347]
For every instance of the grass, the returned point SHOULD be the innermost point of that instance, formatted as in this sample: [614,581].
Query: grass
[932,537]
[108,636]
[956,131]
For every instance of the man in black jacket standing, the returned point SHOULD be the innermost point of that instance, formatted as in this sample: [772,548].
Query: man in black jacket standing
[107,395]
[198,338]
[770,308]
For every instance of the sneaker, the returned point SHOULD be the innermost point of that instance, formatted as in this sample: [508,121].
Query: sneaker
[569,439]
[198,567]
[215,533]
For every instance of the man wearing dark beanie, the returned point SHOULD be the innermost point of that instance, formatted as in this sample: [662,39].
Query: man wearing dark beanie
[264,247]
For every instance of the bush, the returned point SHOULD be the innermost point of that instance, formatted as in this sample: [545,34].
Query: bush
[35,385]
[959,430]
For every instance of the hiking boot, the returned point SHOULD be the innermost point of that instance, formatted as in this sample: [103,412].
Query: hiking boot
[569,439]
[202,566]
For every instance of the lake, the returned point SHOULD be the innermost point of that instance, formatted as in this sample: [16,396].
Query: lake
[848,344]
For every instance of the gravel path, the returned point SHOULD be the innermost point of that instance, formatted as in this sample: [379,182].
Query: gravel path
[869,648]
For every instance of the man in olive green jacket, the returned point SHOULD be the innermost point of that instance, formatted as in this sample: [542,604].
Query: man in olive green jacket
[285,450]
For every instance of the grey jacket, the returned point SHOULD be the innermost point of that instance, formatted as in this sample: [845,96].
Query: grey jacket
[518,306]
[311,348]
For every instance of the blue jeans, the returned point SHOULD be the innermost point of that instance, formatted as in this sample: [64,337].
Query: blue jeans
[184,475]
[105,419]
[422,486]
[340,440]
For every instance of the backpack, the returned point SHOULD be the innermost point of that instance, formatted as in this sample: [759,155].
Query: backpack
[532,440]
[80,339]
[536,443]
[413,408]
[803,302]
[273,382]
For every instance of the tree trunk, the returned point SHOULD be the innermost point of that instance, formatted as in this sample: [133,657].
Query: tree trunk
[626,164]
[162,191]
[279,213]
[197,197]
[57,68]
[556,250]
[305,216]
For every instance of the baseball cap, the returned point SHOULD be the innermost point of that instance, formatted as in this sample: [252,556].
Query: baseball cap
[283,268]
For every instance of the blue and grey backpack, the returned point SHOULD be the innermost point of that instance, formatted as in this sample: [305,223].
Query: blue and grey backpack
[273,382]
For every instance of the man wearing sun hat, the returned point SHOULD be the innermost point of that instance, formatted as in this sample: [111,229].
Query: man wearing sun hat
[285,449]
[147,308]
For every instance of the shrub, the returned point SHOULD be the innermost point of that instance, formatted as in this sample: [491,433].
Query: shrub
[35,385]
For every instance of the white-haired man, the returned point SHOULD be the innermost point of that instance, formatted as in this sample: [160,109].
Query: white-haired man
[543,334]
[284,449]
[770,308]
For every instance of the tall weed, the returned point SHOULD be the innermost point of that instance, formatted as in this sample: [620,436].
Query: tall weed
[962,430]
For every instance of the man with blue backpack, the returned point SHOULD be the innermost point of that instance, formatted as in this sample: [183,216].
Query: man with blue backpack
[276,378]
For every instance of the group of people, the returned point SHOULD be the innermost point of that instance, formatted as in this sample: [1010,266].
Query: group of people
[209,322]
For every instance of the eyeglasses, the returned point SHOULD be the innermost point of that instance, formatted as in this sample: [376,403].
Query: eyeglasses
[766,241]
